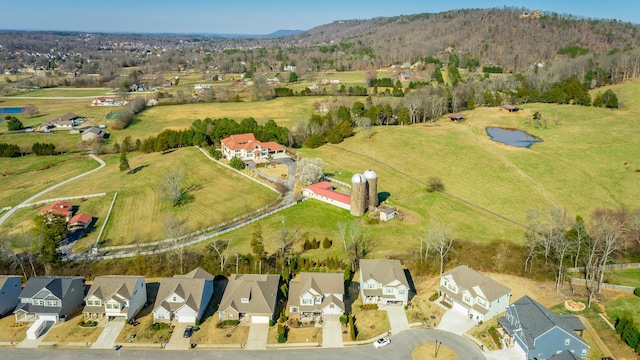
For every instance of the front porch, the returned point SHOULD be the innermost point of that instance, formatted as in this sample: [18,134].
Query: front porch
[25,317]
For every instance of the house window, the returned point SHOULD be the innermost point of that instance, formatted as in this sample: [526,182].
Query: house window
[160,316]
[231,316]
[388,291]
[401,291]
[370,285]
[51,303]
[331,306]
[244,300]
[307,301]
[38,302]
[175,299]
[567,342]
[584,352]
[294,309]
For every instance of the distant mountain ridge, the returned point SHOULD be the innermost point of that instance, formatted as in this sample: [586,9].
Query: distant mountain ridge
[275,34]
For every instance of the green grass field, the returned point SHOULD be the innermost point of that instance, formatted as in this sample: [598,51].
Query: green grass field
[139,212]
[627,277]
[629,304]
[67,92]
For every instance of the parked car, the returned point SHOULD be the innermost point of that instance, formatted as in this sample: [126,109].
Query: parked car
[188,331]
[381,342]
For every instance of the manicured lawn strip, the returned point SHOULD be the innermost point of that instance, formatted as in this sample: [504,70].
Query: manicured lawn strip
[210,334]
[628,277]
[70,331]
[67,92]
[629,304]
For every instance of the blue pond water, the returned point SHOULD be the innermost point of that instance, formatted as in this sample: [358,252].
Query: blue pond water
[512,137]
[11,110]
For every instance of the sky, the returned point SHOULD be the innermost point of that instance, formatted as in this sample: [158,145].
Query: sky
[258,16]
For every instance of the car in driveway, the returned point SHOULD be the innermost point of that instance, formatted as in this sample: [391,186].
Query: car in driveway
[381,342]
[188,331]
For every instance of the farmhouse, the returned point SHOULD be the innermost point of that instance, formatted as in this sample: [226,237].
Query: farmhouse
[473,294]
[65,121]
[539,332]
[324,192]
[246,147]
[64,208]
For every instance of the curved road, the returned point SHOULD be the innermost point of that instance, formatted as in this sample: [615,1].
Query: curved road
[401,347]
[6,215]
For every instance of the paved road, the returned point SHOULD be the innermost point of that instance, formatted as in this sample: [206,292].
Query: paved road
[6,215]
[400,348]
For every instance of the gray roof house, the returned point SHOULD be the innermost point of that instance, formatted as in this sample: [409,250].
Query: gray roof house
[10,288]
[313,295]
[93,133]
[475,295]
[540,333]
[114,296]
[383,282]
[183,298]
[250,297]
[51,298]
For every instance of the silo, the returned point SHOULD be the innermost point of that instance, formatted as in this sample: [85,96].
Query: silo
[358,194]
[372,189]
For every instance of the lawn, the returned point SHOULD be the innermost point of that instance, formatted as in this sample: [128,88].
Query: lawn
[297,335]
[213,195]
[67,92]
[11,331]
[209,333]
[427,351]
[70,331]
[627,277]
[369,323]
[629,304]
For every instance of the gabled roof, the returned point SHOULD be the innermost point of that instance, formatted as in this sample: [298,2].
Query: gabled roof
[535,320]
[321,283]
[476,283]
[94,130]
[82,218]
[383,271]
[197,273]
[189,287]
[5,278]
[565,355]
[108,286]
[59,208]
[262,291]
[57,286]
[248,142]
[325,188]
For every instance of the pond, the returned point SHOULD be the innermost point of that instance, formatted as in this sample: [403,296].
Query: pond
[11,110]
[512,137]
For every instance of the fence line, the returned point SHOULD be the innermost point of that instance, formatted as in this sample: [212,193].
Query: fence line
[106,219]
[338,182]
[609,267]
[60,199]
[624,288]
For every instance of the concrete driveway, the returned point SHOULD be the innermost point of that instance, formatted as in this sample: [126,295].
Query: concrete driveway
[504,354]
[109,334]
[397,319]
[257,339]
[455,322]
[331,331]
[177,340]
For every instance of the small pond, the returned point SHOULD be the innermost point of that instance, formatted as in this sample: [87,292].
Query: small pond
[4,110]
[512,137]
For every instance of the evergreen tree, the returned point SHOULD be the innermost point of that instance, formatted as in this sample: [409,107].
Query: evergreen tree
[124,162]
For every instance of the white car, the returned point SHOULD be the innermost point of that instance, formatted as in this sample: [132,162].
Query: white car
[381,342]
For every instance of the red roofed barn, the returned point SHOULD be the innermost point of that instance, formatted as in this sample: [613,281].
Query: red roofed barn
[324,192]
[246,147]
[81,220]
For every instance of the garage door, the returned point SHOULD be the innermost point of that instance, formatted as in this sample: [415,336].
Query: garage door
[460,308]
[187,319]
[260,319]
[48,317]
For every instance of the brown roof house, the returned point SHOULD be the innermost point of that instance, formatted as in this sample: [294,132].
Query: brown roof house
[473,294]
[314,295]
[80,221]
[67,120]
[63,208]
[93,133]
[250,297]
[383,282]
[114,296]
[183,298]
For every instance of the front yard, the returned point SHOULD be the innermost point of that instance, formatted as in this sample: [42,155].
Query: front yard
[145,331]
[209,333]
[10,331]
[369,323]
[306,334]
[71,332]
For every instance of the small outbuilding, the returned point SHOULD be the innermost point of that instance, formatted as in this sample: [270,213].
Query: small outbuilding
[80,221]
[457,118]
[93,133]
[511,108]
[387,214]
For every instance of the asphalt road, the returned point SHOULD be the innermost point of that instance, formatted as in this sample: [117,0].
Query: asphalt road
[400,348]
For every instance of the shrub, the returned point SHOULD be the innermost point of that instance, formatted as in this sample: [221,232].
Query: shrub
[326,243]
[236,163]
[435,184]
[159,326]
[495,336]
[636,291]
[226,323]
[344,319]
[434,297]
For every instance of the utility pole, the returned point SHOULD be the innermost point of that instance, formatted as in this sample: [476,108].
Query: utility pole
[237,259]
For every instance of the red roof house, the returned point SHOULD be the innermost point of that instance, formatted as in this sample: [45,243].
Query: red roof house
[323,191]
[64,208]
[246,147]
[80,220]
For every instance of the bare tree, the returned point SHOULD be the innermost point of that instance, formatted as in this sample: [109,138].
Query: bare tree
[341,231]
[310,170]
[360,245]
[174,227]
[439,239]
[366,125]
[607,229]
[171,189]
[221,248]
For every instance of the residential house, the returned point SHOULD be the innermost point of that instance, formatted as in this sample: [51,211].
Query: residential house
[250,297]
[183,298]
[540,333]
[383,282]
[473,294]
[10,288]
[63,208]
[246,147]
[324,192]
[93,133]
[66,121]
[50,298]
[114,296]
[80,221]
[314,295]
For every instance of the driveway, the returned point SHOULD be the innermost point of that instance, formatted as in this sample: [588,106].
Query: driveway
[397,319]
[177,340]
[331,331]
[504,354]
[455,322]
[34,343]
[257,339]
[109,334]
